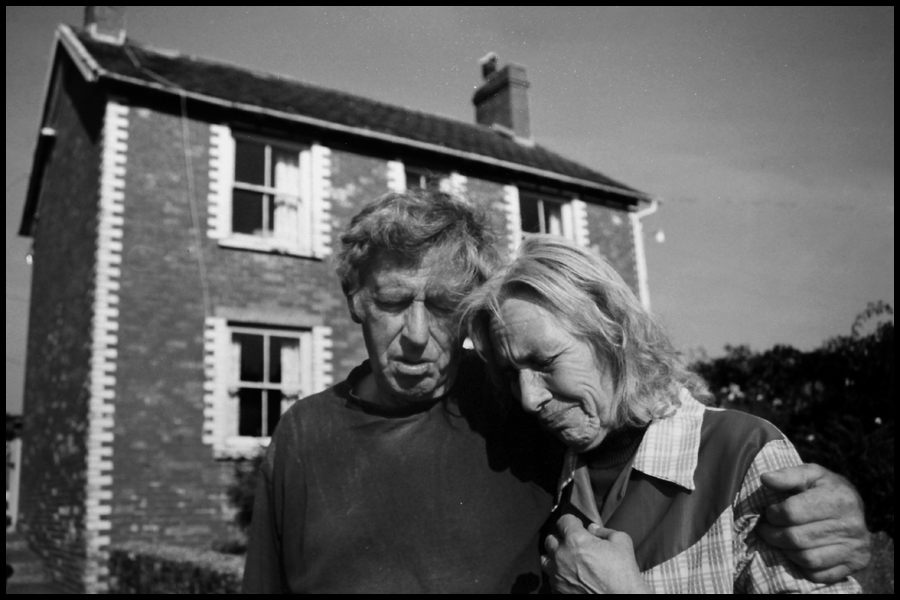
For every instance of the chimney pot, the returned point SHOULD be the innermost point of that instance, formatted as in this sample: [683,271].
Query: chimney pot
[105,23]
[488,64]
[501,102]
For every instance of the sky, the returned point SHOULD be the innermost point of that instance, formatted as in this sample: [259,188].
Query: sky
[768,133]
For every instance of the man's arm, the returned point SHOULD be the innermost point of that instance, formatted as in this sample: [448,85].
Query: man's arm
[821,527]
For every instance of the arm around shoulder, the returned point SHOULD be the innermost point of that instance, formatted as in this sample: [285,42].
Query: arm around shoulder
[761,567]
[820,525]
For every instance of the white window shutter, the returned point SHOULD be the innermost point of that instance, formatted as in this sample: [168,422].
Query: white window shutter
[291,371]
[306,364]
[305,221]
[513,217]
[567,225]
[221,179]
[217,402]
[320,196]
[321,358]
[457,184]
[580,231]
[454,184]
[396,176]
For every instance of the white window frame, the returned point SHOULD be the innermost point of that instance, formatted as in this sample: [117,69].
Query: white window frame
[434,180]
[313,234]
[304,342]
[573,214]
[222,399]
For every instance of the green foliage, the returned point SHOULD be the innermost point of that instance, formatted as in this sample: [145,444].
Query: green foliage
[242,491]
[878,577]
[145,568]
[835,403]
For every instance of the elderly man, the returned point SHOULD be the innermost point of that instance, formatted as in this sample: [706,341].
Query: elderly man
[408,476]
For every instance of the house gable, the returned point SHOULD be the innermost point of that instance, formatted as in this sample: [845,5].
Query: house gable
[156,289]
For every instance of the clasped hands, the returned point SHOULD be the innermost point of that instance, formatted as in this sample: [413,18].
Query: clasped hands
[595,560]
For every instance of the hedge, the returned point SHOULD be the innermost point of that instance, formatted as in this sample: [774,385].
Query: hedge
[145,568]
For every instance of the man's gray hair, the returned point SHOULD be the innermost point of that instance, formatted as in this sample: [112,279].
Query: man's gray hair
[411,226]
[596,306]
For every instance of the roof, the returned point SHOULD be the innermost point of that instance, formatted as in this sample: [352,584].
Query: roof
[249,90]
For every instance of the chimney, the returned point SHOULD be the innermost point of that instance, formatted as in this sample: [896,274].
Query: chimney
[502,100]
[105,23]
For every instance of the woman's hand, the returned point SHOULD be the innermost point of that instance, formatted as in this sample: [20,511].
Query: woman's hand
[596,560]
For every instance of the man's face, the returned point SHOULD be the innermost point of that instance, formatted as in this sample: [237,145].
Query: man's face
[410,329]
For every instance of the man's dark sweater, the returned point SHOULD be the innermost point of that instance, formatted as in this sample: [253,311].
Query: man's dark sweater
[446,497]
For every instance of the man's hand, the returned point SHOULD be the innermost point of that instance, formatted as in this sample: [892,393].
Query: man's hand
[591,561]
[821,527]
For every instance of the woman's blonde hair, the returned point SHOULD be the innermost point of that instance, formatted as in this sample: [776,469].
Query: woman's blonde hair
[596,306]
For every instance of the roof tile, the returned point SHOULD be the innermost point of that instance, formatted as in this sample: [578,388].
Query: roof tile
[274,92]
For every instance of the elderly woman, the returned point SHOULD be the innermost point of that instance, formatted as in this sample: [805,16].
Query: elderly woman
[659,492]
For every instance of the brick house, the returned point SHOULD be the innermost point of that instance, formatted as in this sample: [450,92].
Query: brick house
[183,213]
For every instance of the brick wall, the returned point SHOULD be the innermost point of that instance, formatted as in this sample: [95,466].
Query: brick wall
[611,235]
[167,485]
[57,372]
[355,181]
[489,195]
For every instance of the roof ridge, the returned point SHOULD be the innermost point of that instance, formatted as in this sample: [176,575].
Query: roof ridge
[168,53]
[291,97]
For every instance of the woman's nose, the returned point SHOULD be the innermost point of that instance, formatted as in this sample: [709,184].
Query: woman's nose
[532,393]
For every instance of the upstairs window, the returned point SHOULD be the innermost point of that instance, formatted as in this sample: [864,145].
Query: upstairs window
[269,195]
[541,214]
[268,198]
[423,179]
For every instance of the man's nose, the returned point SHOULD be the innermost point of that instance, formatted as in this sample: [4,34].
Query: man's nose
[415,326]
[532,392]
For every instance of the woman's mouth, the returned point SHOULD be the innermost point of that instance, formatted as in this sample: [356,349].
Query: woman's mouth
[556,420]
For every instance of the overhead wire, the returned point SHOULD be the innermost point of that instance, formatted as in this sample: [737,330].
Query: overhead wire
[189,169]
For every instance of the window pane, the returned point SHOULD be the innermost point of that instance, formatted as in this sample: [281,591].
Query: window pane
[251,356]
[247,212]
[414,180]
[249,162]
[553,217]
[423,180]
[269,225]
[274,412]
[284,360]
[250,412]
[286,171]
[528,208]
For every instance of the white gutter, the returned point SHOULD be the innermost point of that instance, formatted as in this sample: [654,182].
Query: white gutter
[91,70]
[640,256]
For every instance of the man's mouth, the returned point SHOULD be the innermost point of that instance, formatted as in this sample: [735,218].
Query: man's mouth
[412,367]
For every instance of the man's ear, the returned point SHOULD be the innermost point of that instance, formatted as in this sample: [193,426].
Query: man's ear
[352,309]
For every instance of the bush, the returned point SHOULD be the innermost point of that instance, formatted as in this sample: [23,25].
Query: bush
[243,490]
[145,568]
[835,403]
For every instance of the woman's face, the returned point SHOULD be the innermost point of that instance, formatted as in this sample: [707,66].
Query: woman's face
[553,374]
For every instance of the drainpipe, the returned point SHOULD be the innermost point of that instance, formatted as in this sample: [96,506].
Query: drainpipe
[640,256]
